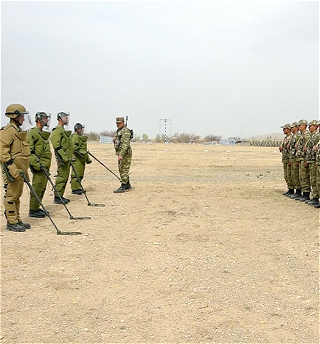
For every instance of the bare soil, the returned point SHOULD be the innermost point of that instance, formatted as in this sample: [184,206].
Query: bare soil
[205,248]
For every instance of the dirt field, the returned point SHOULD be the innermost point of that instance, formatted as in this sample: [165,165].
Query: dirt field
[205,248]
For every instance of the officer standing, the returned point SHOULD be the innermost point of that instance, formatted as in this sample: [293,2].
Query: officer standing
[311,160]
[294,164]
[284,149]
[14,158]
[40,158]
[63,149]
[304,174]
[124,152]
[81,156]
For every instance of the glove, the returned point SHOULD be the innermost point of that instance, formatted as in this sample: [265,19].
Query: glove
[72,159]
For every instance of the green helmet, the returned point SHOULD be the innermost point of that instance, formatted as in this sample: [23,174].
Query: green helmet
[14,110]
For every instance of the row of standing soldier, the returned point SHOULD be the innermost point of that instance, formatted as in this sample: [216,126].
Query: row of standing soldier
[301,161]
[20,150]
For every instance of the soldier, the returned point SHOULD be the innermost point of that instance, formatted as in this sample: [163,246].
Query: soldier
[40,158]
[293,163]
[304,173]
[63,149]
[81,157]
[285,158]
[316,148]
[124,153]
[311,160]
[14,158]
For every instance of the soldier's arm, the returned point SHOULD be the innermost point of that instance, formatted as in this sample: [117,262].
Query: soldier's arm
[32,139]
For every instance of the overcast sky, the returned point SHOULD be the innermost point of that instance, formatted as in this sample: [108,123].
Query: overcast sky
[229,68]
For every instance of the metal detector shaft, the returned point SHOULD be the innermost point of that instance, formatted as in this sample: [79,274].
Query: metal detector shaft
[55,189]
[83,190]
[103,164]
[45,210]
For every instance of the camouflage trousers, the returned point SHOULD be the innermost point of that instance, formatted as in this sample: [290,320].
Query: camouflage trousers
[318,178]
[62,178]
[295,175]
[304,175]
[287,175]
[313,179]
[124,167]
[39,183]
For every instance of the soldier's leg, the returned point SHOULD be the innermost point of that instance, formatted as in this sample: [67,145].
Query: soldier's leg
[313,180]
[13,192]
[39,184]
[62,179]
[125,168]
[79,167]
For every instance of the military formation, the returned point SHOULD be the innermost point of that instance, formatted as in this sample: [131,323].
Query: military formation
[301,161]
[21,151]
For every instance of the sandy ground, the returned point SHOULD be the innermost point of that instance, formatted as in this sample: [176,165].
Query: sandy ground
[205,248]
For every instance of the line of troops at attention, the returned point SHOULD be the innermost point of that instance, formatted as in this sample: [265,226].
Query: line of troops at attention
[300,150]
[23,150]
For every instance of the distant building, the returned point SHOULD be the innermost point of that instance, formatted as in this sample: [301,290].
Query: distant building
[227,142]
[105,139]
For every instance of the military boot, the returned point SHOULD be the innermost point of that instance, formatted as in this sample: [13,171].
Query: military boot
[128,186]
[314,201]
[317,206]
[290,192]
[15,227]
[305,197]
[122,188]
[24,224]
[296,195]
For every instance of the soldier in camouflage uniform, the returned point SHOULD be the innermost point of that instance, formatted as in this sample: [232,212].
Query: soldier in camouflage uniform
[81,156]
[40,158]
[304,173]
[283,148]
[293,163]
[63,149]
[311,160]
[124,152]
[316,148]
[14,159]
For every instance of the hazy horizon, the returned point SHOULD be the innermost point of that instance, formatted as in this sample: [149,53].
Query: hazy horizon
[229,68]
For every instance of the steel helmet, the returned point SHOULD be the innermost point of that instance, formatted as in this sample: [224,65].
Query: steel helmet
[14,110]
[62,114]
[41,115]
[78,126]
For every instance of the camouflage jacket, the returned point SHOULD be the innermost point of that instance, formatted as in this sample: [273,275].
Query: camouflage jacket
[302,141]
[313,140]
[122,141]
[284,149]
[291,147]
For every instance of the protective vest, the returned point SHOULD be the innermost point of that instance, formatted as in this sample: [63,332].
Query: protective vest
[80,147]
[14,149]
[39,148]
[62,144]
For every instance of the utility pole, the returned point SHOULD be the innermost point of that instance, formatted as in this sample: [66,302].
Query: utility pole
[165,120]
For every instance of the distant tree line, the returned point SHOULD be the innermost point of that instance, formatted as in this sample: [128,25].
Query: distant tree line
[176,138]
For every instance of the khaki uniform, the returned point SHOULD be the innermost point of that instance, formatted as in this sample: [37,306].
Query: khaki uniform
[311,159]
[304,173]
[284,148]
[122,147]
[63,149]
[14,159]
[292,159]
[81,159]
[40,157]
